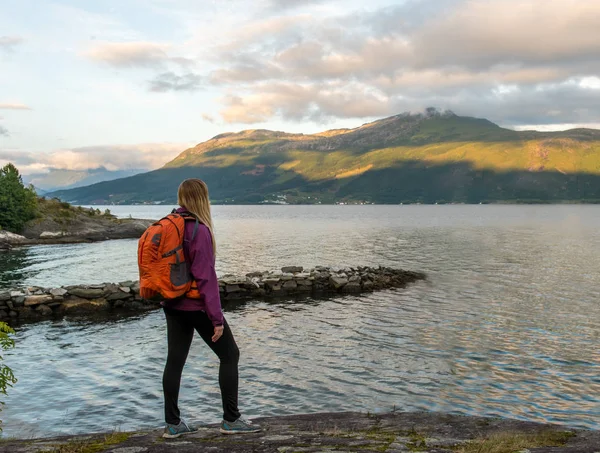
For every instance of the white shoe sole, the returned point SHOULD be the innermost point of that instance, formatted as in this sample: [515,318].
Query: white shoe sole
[175,436]
[230,432]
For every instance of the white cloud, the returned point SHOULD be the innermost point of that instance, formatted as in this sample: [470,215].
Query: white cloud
[8,43]
[113,157]
[133,54]
[13,106]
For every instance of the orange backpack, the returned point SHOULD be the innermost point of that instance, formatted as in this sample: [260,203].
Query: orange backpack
[163,268]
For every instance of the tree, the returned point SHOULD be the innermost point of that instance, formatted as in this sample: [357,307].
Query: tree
[7,378]
[18,204]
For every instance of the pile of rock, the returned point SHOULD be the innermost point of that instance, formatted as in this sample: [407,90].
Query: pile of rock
[37,302]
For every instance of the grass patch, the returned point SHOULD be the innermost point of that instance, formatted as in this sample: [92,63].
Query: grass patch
[93,446]
[510,442]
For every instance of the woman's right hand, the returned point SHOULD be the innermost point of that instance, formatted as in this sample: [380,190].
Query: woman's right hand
[218,333]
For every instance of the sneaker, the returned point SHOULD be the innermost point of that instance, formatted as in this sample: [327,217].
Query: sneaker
[174,431]
[240,426]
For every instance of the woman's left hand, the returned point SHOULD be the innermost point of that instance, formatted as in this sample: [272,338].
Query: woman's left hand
[218,333]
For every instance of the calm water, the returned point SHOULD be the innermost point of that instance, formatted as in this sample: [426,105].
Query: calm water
[507,323]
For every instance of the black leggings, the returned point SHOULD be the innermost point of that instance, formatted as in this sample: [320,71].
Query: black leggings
[180,331]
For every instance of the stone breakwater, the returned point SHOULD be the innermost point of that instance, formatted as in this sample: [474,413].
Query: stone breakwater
[37,302]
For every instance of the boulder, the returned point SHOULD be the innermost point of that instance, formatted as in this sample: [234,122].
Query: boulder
[4,296]
[135,287]
[58,292]
[18,301]
[87,293]
[44,310]
[31,301]
[351,287]
[290,284]
[119,295]
[291,269]
[337,282]
[3,314]
[77,305]
[233,289]
[26,313]
[233,280]
[367,285]
[254,274]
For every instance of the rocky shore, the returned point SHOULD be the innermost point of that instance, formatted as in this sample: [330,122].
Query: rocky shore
[60,223]
[48,232]
[37,302]
[398,432]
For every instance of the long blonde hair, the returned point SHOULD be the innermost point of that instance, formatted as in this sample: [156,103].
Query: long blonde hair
[193,196]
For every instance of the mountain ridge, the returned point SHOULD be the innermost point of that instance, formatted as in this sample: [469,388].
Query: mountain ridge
[377,162]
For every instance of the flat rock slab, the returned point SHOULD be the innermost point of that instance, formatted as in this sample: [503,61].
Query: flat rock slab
[339,432]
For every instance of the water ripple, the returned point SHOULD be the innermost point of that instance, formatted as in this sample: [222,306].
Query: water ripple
[506,325]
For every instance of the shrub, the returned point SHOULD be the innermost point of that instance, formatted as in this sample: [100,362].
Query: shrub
[7,378]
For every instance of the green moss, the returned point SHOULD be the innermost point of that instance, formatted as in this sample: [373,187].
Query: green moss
[509,442]
[94,446]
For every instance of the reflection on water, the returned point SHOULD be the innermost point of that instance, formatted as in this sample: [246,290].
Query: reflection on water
[507,323]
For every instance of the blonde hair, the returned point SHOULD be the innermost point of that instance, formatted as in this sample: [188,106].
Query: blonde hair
[193,196]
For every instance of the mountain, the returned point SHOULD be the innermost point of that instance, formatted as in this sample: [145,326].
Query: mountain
[427,158]
[57,179]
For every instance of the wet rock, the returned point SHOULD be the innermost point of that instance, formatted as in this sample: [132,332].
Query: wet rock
[118,295]
[290,284]
[58,292]
[352,287]
[31,301]
[18,301]
[87,293]
[291,269]
[44,310]
[77,305]
[337,282]
[4,296]
[233,289]
[3,314]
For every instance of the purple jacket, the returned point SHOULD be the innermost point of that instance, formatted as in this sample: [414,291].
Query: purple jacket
[201,261]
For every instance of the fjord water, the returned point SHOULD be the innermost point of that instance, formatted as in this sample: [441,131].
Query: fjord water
[507,323]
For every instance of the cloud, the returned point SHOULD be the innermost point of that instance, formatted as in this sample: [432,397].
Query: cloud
[112,157]
[134,54]
[291,4]
[513,61]
[169,81]
[497,57]
[8,43]
[13,106]
[3,131]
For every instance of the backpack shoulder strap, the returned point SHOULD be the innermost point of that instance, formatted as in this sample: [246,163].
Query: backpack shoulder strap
[189,216]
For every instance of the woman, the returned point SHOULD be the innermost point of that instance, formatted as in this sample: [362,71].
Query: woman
[184,315]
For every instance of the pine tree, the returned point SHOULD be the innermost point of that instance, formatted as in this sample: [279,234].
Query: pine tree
[18,204]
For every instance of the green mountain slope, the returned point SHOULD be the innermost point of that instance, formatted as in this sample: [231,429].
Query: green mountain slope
[405,158]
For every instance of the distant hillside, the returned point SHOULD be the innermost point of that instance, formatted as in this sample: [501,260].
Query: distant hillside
[424,158]
[58,179]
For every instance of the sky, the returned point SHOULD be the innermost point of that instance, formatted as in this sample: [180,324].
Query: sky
[131,83]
